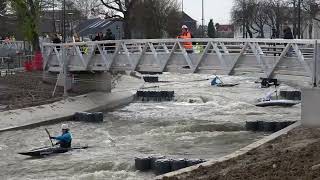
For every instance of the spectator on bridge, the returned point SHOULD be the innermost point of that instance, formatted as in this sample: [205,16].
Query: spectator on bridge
[76,38]
[56,40]
[98,37]
[7,40]
[287,34]
[186,34]
[109,46]
[12,38]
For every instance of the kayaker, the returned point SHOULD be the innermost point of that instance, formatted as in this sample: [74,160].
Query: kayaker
[65,139]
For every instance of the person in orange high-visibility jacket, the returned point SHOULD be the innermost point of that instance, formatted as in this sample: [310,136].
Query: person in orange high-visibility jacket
[185,34]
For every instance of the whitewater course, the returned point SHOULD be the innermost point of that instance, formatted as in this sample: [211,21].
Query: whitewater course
[201,121]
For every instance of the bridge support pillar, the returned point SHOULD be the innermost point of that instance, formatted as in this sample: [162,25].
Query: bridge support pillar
[92,82]
[310,114]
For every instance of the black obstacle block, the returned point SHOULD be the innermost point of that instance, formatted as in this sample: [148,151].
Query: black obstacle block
[140,93]
[162,166]
[269,126]
[252,126]
[88,117]
[97,117]
[177,164]
[82,116]
[283,94]
[192,162]
[153,159]
[151,79]
[297,95]
[260,126]
[142,163]
[281,125]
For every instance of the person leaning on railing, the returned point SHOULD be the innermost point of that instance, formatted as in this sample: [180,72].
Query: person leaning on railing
[56,40]
[185,34]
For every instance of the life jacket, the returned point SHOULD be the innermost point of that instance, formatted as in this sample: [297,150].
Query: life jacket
[186,45]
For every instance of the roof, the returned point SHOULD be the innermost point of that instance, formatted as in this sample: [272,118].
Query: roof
[225,28]
[187,18]
[93,26]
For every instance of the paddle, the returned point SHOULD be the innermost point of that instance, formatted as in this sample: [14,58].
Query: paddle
[49,136]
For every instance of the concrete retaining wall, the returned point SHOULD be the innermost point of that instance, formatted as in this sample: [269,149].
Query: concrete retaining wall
[230,156]
[310,114]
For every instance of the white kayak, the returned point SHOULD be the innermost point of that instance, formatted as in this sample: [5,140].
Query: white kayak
[280,102]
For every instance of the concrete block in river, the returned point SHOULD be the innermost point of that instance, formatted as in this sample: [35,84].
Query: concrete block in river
[151,79]
[98,117]
[153,159]
[177,164]
[252,126]
[89,117]
[269,126]
[82,116]
[291,95]
[192,162]
[162,166]
[142,163]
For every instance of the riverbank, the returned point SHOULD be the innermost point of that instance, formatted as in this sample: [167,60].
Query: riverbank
[26,89]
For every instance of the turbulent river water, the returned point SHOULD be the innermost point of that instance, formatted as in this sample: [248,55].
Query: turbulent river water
[202,122]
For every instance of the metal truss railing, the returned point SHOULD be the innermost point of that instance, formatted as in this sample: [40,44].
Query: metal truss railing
[267,57]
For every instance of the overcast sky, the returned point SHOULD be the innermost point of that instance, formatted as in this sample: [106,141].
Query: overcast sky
[218,10]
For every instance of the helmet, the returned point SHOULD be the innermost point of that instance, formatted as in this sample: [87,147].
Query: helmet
[184,27]
[64,126]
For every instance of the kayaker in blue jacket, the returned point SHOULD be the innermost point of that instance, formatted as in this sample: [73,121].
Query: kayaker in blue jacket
[65,139]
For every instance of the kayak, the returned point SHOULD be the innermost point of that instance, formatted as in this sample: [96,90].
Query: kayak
[281,102]
[45,151]
[227,85]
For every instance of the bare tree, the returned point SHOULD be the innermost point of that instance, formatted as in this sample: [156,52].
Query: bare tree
[311,9]
[88,8]
[163,17]
[122,7]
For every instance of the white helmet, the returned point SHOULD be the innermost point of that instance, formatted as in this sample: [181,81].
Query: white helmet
[184,27]
[64,126]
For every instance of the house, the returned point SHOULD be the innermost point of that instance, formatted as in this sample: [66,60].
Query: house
[91,27]
[188,21]
[52,21]
[225,30]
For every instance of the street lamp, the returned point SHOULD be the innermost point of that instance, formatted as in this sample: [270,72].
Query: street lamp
[182,6]
[203,19]
[64,21]
[299,19]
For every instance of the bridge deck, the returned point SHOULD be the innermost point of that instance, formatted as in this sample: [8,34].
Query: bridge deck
[268,57]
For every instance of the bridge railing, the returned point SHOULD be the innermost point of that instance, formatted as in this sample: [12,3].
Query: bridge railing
[267,57]
[16,45]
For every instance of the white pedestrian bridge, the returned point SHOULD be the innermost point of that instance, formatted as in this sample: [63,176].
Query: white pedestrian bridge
[269,58]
